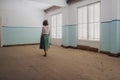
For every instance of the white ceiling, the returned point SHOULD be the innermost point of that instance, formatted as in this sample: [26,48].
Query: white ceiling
[42,4]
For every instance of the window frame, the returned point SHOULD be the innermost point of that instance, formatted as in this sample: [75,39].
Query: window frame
[93,40]
[56,33]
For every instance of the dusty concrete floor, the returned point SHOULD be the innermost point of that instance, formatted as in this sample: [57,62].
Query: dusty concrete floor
[27,63]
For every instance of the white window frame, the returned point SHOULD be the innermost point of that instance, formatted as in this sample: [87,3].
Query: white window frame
[80,37]
[57,25]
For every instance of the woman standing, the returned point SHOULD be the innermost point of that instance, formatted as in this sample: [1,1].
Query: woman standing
[44,42]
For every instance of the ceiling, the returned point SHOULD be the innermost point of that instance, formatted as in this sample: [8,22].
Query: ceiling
[42,4]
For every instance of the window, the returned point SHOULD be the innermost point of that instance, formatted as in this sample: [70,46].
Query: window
[56,30]
[82,23]
[89,22]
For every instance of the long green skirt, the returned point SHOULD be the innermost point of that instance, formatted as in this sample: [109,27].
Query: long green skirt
[44,42]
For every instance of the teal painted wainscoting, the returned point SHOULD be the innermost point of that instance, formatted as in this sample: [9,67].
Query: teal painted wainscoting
[110,36]
[20,35]
[105,36]
[65,37]
[115,41]
[69,35]
[118,30]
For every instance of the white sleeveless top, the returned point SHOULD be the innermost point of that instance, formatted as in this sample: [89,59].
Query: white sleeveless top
[45,30]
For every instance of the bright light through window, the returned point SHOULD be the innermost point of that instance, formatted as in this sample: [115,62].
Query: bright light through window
[82,23]
[56,26]
[89,22]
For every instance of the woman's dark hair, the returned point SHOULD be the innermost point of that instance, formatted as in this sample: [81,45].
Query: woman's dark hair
[45,22]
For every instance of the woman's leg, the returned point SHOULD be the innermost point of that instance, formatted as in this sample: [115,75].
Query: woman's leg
[46,44]
[45,52]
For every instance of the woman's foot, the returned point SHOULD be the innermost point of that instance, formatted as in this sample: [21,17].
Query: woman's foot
[44,55]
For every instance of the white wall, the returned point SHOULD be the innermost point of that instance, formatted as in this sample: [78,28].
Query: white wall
[115,9]
[21,16]
[110,10]
[106,13]
[69,16]
[118,9]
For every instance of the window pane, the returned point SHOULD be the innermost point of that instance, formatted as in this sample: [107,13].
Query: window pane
[80,32]
[58,20]
[82,20]
[59,26]
[84,14]
[91,31]
[97,31]
[53,30]
[97,12]
[91,13]
[94,20]
[56,26]
[80,14]
[85,31]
